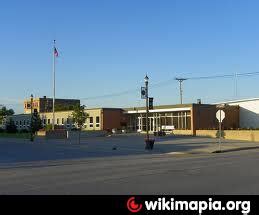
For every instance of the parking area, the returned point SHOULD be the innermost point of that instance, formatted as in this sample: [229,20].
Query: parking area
[21,150]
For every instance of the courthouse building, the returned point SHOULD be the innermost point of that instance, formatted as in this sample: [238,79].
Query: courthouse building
[187,117]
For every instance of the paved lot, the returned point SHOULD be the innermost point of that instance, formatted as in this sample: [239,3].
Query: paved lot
[14,151]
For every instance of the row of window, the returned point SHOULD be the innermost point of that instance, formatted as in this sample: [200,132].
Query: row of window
[22,122]
[60,121]
[28,105]
[97,122]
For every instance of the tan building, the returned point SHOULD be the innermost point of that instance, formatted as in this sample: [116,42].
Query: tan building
[43,105]
[98,119]
[189,117]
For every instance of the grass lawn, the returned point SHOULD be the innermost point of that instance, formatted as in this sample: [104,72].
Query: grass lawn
[16,135]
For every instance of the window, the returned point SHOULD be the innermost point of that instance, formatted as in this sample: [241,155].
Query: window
[44,121]
[48,121]
[24,122]
[91,119]
[62,121]
[97,121]
[16,122]
[57,120]
[28,122]
[91,122]
[20,122]
[67,120]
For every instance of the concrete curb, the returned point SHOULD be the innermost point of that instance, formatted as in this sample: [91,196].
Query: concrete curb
[236,149]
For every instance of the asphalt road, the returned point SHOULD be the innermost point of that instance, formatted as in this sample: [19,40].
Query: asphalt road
[226,173]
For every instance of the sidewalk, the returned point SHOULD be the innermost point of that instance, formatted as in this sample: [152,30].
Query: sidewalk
[214,147]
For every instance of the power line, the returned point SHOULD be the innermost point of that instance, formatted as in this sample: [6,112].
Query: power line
[224,76]
[164,83]
[169,82]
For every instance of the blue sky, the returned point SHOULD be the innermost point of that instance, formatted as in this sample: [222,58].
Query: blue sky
[107,47]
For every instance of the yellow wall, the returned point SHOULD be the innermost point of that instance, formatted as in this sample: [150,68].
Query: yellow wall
[206,133]
[246,135]
[93,113]
[183,132]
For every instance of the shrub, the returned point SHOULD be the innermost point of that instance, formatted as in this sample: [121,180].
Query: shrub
[48,127]
[75,129]
[11,127]
[24,131]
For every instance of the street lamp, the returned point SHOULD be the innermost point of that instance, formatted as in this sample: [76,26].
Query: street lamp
[146,83]
[149,101]
[31,117]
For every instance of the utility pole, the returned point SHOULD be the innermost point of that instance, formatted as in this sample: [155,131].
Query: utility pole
[180,80]
[235,85]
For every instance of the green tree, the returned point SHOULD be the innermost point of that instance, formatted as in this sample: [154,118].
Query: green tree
[36,123]
[4,112]
[79,117]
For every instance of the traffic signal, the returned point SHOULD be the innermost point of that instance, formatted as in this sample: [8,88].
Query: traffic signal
[150,101]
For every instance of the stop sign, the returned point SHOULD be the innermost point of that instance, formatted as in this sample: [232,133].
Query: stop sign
[220,115]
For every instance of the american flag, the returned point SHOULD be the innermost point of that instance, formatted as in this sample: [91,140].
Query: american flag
[55,52]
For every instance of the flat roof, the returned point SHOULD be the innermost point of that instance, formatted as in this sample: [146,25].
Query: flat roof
[48,98]
[165,106]
[103,108]
[159,107]
[236,101]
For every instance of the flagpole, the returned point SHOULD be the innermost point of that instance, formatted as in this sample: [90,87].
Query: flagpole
[54,85]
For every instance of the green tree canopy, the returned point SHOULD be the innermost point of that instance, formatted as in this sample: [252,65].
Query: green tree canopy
[79,116]
[36,123]
[5,112]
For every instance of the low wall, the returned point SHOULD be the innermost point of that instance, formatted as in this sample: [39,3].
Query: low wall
[56,134]
[207,133]
[182,132]
[246,135]
[41,133]
[85,134]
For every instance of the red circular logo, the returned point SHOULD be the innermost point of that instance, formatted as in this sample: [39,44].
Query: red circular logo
[133,206]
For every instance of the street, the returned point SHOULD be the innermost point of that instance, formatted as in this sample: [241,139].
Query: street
[139,172]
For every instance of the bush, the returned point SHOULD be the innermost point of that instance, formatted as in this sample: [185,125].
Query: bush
[75,129]
[48,127]
[2,130]
[24,131]
[11,127]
